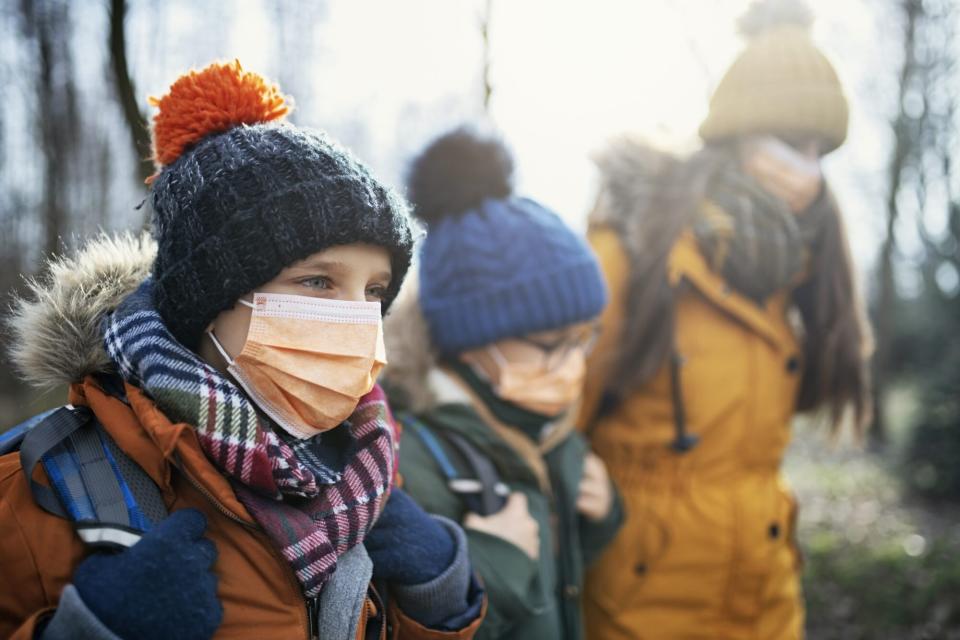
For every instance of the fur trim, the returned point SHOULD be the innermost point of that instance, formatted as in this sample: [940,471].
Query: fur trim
[55,335]
[631,173]
[410,355]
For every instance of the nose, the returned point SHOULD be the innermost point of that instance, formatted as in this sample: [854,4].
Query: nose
[353,294]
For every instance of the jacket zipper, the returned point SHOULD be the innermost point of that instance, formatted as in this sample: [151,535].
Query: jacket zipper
[209,496]
[313,618]
[312,604]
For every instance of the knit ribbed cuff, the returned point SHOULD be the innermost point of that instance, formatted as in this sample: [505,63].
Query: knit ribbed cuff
[444,597]
[553,299]
[74,621]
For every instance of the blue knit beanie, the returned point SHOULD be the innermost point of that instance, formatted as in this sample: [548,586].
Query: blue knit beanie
[493,265]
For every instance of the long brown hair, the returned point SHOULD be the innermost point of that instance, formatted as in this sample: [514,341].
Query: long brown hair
[650,197]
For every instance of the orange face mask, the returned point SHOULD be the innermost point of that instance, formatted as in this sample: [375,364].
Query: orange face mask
[537,387]
[307,361]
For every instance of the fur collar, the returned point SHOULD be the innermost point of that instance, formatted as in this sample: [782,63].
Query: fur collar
[54,327]
[631,174]
[411,360]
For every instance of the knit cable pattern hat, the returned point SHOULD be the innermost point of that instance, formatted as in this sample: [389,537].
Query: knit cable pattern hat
[493,265]
[781,83]
[240,195]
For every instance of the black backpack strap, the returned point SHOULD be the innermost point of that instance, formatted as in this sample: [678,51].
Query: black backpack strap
[491,494]
[484,493]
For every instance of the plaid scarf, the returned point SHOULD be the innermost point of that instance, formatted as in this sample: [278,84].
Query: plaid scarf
[315,498]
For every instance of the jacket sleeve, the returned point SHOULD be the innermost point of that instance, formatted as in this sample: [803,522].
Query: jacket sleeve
[425,484]
[595,536]
[615,265]
[511,579]
[406,628]
[24,604]
[74,621]
[453,599]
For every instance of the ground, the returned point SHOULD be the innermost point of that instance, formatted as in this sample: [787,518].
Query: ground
[879,564]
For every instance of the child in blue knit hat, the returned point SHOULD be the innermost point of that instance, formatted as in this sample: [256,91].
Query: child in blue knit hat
[488,354]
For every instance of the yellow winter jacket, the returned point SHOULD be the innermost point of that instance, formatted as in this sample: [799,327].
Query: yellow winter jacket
[708,548]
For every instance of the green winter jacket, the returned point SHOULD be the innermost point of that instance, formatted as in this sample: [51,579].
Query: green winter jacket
[528,599]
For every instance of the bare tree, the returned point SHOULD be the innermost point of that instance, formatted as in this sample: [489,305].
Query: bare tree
[47,25]
[126,90]
[487,58]
[925,118]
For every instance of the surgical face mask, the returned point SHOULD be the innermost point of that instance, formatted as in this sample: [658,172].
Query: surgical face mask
[542,387]
[307,361]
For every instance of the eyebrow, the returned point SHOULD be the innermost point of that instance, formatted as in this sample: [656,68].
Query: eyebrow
[337,267]
[325,265]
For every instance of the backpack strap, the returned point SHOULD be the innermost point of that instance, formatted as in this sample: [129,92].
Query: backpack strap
[11,439]
[42,437]
[107,496]
[484,493]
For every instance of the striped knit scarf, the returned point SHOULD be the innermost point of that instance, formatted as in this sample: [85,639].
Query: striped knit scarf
[748,235]
[312,508]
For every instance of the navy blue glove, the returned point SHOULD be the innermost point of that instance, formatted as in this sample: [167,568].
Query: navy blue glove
[161,587]
[407,545]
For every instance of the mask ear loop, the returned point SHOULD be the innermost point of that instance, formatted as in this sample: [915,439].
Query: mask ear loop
[216,343]
[223,352]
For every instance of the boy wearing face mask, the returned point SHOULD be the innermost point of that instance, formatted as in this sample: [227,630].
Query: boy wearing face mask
[233,358]
[489,357]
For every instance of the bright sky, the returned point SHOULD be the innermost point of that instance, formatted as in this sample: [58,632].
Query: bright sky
[567,75]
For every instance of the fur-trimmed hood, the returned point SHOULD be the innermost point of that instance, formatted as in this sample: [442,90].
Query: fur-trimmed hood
[631,173]
[411,358]
[54,327]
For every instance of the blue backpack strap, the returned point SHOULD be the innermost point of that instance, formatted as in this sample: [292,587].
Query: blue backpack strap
[432,444]
[107,496]
[41,439]
[11,438]
[483,494]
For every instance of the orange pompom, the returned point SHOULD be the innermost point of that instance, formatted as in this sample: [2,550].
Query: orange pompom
[213,100]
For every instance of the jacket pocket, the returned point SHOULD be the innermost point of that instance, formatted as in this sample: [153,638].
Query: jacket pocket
[767,559]
[617,577]
[669,558]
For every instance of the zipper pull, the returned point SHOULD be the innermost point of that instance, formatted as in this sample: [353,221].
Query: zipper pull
[313,618]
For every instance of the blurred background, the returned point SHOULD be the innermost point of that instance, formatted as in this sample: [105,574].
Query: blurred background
[880,522]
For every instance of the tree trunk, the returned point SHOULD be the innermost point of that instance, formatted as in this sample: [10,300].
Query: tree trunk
[886,287]
[48,23]
[126,92]
[485,35]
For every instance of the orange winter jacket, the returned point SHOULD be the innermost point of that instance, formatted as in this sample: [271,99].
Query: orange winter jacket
[260,594]
[707,550]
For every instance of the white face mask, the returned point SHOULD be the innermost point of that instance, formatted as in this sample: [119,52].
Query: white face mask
[307,361]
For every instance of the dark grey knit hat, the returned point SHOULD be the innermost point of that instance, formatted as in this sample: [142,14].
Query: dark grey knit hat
[240,205]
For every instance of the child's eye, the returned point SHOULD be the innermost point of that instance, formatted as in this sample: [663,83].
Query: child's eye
[377,293]
[318,282]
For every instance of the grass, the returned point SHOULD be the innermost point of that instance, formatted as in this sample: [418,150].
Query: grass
[878,564]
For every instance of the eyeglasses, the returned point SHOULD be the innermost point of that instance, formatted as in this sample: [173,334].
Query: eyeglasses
[556,352]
